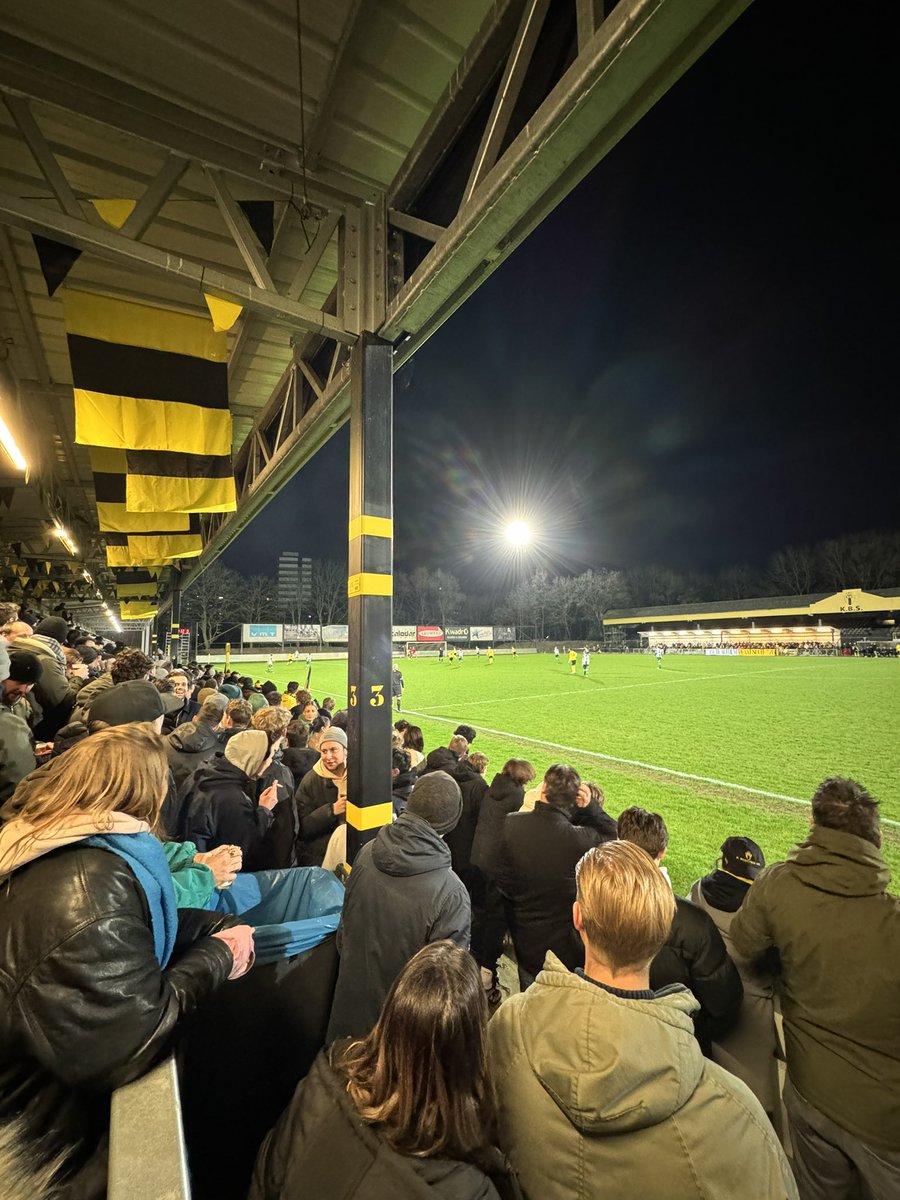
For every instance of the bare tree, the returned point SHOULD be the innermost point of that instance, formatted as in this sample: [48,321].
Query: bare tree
[328,591]
[214,601]
[793,570]
[598,592]
[259,598]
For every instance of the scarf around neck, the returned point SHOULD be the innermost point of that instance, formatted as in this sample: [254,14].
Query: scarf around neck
[22,843]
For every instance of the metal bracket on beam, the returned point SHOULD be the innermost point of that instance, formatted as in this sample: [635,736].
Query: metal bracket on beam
[113,247]
[362,278]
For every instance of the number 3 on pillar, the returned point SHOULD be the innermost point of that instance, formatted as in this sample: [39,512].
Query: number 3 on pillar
[354,700]
[377,698]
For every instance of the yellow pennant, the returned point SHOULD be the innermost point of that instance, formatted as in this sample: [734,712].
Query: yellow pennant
[114,212]
[223,312]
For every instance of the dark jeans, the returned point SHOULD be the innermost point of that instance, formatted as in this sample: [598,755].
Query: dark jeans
[831,1164]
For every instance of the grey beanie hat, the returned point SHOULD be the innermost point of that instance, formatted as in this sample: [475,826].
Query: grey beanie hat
[436,798]
[333,734]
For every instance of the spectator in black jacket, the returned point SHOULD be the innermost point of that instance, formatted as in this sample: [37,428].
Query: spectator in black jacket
[220,800]
[236,717]
[99,968]
[504,796]
[195,741]
[402,894]
[536,869]
[321,800]
[403,777]
[406,1112]
[298,758]
[452,759]
[694,953]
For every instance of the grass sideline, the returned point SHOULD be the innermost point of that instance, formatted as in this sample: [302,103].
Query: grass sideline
[769,725]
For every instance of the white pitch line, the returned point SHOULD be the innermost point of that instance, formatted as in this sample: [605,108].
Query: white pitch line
[630,762]
[624,687]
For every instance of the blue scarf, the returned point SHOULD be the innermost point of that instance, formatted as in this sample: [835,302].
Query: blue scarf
[144,855]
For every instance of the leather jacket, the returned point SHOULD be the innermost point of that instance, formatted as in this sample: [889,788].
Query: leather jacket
[84,1005]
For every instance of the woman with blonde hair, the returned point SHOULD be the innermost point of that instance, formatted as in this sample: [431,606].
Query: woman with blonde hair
[407,1110]
[99,965]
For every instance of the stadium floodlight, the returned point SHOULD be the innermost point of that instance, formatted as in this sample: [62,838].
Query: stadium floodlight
[518,533]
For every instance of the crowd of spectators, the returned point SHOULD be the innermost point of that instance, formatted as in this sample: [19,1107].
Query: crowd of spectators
[638,1055]
[807,647]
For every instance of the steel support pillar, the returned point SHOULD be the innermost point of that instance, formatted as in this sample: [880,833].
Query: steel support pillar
[369,589]
[172,646]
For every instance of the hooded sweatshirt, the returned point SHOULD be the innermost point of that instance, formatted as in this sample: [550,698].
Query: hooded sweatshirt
[188,747]
[600,1095]
[220,802]
[837,932]
[402,894]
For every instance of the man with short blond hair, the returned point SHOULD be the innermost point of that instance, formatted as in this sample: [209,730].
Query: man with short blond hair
[601,1087]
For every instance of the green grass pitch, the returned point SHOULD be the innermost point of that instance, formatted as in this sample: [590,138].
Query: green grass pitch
[719,746]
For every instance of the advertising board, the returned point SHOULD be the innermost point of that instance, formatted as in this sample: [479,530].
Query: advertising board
[335,633]
[429,633]
[404,633]
[261,633]
[457,633]
[301,633]
[504,633]
[481,633]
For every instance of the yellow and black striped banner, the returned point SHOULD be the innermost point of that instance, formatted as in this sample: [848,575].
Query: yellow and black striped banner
[160,481]
[153,547]
[137,583]
[146,378]
[110,493]
[137,610]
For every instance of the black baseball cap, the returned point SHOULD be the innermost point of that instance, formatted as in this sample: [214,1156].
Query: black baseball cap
[742,857]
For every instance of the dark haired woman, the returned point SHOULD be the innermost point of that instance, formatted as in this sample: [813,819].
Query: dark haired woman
[407,1111]
[505,795]
[415,744]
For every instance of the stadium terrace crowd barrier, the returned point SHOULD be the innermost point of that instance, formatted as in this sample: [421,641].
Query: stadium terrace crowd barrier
[147,1155]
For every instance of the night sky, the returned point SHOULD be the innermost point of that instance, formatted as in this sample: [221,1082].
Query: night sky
[691,361]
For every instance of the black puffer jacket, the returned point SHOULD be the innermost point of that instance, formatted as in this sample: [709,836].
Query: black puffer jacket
[84,1006]
[401,787]
[321,1147]
[695,955]
[402,895]
[220,803]
[188,747]
[503,797]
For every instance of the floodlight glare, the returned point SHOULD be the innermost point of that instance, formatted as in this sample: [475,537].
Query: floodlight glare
[518,533]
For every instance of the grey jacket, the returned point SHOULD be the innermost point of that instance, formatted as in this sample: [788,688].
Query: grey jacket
[402,894]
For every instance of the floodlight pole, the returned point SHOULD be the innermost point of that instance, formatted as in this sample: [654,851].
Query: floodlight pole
[176,613]
[369,590]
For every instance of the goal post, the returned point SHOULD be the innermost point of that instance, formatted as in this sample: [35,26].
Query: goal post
[425,649]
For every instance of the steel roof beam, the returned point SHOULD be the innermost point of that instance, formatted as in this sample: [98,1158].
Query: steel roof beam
[29,70]
[44,156]
[470,82]
[507,93]
[352,37]
[641,49]
[239,228]
[112,247]
[157,192]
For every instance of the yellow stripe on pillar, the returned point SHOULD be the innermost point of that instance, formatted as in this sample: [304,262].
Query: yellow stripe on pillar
[371,817]
[366,583]
[371,527]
